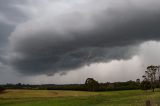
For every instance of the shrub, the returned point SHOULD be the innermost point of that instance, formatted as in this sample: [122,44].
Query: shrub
[145,85]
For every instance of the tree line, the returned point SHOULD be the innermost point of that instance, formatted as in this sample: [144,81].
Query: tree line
[90,85]
[151,80]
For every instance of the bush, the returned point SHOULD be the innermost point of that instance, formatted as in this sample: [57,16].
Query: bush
[145,85]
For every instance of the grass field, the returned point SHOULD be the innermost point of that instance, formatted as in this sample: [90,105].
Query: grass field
[78,98]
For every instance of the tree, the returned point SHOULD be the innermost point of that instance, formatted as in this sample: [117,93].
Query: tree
[151,76]
[158,75]
[145,85]
[91,84]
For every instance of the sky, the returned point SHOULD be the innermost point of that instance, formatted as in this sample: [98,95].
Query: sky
[68,41]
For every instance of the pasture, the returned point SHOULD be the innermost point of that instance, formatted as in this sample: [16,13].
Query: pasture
[78,98]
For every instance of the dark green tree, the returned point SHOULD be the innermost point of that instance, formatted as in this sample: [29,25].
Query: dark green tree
[91,84]
[151,76]
[145,85]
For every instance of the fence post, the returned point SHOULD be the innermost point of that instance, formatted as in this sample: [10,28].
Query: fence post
[148,103]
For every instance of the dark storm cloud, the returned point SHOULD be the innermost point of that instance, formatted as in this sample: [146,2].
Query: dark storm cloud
[9,15]
[41,62]
[58,43]
[5,31]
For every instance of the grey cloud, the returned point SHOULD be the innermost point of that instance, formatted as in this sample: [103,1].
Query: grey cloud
[58,43]
[52,63]
[10,16]
[5,31]
[10,13]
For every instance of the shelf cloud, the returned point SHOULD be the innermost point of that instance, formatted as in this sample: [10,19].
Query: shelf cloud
[58,36]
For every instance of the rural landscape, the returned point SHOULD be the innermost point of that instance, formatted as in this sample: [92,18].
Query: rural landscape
[92,93]
[79,52]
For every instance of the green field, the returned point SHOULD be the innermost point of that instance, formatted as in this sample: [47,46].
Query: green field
[78,98]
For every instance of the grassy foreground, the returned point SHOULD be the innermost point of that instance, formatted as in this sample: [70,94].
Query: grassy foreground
[78,98]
